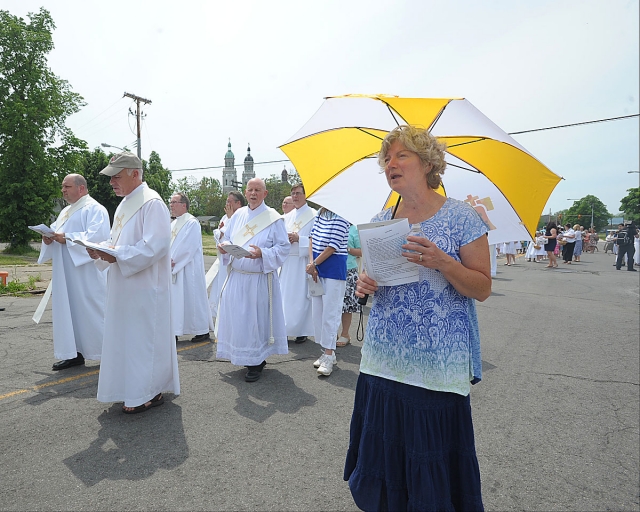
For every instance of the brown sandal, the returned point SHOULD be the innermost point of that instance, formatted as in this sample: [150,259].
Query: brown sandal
[154,402]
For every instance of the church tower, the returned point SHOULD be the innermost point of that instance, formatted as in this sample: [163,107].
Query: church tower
[229,174]
[248,173]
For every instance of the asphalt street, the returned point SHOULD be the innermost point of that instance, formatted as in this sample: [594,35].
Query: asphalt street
[556,414]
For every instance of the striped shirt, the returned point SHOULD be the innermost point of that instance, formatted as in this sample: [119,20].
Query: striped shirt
[330,232]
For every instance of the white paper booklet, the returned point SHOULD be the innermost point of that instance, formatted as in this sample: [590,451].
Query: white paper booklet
[382,252]
[102,246]
[43,229]
[235,250]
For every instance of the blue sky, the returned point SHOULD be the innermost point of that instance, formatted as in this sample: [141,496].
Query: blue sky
[256,71]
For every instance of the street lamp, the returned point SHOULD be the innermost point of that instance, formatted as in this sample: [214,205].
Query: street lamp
[105,145]
[591,210]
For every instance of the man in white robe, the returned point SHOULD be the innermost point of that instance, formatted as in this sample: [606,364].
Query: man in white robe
[190,312]
[293,276]
[78,288]
[139,360]
[251,321]
[235,201]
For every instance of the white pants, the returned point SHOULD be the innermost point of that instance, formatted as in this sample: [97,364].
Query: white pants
[327,312]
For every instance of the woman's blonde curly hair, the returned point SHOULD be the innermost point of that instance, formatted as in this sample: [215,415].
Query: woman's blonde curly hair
[426,146]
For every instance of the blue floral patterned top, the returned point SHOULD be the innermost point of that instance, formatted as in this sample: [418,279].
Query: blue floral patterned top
[426,333]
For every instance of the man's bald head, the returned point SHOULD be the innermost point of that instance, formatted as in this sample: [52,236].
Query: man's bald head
[256,192]
[74,186]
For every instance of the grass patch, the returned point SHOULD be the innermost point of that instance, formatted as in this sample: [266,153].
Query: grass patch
[209,245]
[15,287]
[11,259]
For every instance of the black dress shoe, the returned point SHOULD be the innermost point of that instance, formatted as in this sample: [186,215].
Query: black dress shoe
[68,363]
[301,339]
[631,270]
[254,372]
[201,337]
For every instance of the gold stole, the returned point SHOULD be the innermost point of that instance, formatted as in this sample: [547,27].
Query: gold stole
[245,233]
[178,224]
[251,229]
[128,209]
[295,225]
[68,211]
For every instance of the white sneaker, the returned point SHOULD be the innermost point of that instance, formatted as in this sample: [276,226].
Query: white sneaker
[318,362]
[326,366]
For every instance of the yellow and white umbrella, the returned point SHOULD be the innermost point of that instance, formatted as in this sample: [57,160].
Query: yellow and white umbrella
[335,154]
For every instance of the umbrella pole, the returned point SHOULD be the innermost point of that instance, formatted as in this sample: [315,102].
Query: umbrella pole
[395,208]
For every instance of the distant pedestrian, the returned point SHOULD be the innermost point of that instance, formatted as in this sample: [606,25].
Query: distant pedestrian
[551,234]
[569,236]
[625,243]
[577,249]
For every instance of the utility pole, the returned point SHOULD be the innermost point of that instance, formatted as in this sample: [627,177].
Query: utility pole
[138,100]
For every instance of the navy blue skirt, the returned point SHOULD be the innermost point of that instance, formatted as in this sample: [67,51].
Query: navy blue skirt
[411,449]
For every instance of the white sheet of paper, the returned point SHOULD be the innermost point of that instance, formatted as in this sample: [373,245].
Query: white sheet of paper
[43,229]
[236,251]
[382,250]
[99,247]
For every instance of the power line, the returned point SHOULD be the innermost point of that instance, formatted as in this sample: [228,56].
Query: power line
[222,166]
[511,133]
[96,117]
[575,124]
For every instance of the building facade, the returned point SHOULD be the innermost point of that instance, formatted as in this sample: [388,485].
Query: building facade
[230,174]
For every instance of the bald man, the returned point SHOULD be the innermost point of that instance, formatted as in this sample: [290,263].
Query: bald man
[251,318]
[78,288]
[287,205]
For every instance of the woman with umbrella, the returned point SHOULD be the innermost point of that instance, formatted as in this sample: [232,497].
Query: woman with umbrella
[412,443]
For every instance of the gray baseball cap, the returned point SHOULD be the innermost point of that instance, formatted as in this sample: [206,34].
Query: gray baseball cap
[125,160]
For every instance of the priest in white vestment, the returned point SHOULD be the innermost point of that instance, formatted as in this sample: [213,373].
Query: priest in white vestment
[190,312]
[235,201]
[78,288]
[287,205]
[293,276]
[139,359]
[250,320]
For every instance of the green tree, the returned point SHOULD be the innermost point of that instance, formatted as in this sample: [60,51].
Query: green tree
[157,177]
[580,213]
[630,205]
[98,184]
[205,196]
[279,189]
[36,148]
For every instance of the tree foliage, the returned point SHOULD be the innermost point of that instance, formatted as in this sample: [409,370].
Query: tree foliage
[580,213]
[98,184]
[205,196]
[279,189]
[630,205]
[157,177]
[36,148]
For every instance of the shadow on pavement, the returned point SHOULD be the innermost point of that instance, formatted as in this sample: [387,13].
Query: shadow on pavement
[132,447]
[76,382]
[274,392]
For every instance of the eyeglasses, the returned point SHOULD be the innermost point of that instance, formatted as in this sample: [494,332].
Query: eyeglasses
[297,194]
[176,202]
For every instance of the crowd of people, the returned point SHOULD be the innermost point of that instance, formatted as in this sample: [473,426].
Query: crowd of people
[284,278]
[569,242]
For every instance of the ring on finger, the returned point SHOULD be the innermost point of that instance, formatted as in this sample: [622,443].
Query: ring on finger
[420,258]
